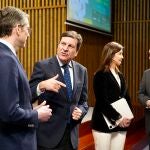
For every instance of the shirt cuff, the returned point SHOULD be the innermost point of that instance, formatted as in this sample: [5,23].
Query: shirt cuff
[38,91]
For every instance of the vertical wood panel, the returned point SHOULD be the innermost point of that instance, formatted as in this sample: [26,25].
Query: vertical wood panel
[47,22]
[136,37]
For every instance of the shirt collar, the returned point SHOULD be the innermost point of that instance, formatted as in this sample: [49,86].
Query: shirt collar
[8,45]
[61,64]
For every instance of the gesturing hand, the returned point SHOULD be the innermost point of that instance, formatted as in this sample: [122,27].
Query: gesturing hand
[51,84]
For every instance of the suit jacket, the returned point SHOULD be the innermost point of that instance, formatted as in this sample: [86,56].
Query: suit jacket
[107,91]
[144,95]
[51,132]
[17,119]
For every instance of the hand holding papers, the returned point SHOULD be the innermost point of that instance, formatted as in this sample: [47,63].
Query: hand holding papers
[123,108]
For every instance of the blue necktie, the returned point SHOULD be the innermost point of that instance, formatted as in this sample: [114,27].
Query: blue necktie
[67,80]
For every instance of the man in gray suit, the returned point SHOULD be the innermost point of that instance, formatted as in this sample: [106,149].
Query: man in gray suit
[144,98]
[68,102]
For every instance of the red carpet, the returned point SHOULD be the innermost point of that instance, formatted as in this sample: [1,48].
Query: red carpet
[141,144]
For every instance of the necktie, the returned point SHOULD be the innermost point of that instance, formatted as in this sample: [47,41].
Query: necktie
[67,80]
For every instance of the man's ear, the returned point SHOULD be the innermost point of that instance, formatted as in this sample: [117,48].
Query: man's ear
[18,29]
[76,53]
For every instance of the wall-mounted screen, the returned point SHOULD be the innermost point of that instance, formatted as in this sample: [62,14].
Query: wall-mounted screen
[90,14]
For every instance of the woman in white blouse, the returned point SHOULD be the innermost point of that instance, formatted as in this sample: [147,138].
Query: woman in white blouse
[109,86]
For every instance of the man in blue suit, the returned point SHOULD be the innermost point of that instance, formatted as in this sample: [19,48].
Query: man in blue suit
[18,121]
[61,131]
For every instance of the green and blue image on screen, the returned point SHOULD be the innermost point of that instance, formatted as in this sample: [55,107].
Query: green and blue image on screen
[92,13]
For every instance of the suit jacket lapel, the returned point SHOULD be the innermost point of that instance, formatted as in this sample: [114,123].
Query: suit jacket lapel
[115,81]
[75,78]
[122,84]
[122,88]
[55,68]
[12,54]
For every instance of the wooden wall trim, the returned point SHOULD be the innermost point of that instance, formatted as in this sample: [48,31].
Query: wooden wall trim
[43,7]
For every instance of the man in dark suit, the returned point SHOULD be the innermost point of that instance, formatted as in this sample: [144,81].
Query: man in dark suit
[69,105]
[18,121]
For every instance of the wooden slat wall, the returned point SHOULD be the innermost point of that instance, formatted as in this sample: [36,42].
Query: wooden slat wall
[47,20]
[131,28]
[89,55]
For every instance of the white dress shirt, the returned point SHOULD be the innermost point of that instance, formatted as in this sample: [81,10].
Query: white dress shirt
[116,76]
[60,64]
[8,45]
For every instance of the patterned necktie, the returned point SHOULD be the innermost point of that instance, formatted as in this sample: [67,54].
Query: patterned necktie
[67,80]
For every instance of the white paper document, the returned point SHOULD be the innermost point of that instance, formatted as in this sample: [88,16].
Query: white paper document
[123,108]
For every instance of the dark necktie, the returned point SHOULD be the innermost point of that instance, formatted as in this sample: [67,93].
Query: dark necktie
[67,80]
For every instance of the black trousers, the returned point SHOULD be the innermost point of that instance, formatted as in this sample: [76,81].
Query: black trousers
[65,143]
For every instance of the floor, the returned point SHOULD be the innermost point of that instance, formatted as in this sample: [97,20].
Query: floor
[136,140]
[136,137]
